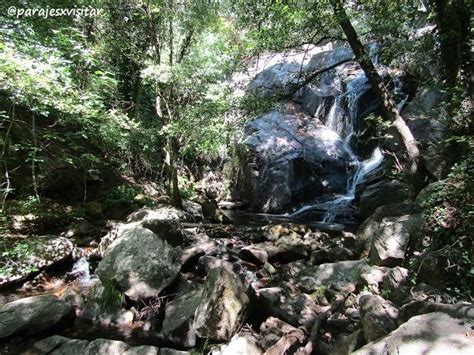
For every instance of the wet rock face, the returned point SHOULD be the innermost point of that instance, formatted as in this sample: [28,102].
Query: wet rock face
[291,158]
[32,315]
[140,262]
[222,307]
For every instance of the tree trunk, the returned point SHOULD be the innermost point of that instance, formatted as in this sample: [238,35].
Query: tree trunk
[386,100]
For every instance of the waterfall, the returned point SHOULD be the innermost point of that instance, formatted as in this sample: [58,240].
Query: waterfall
[344,125]
[80,271]
[345,200]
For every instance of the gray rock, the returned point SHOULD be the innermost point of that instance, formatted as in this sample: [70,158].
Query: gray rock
[371,277]
[290,157]
[378,194]
[425,117]
[346,344]
[366,231]
[326,59]
[72,347]
[106,347]
[396,284]
[168,351]
[32,315]
[193,209]
[143,350]
[240,344]
[432,333]
[335,274]
[391,237]
[179,315]
[278,80]
[378,316]
[140,262]
[223,305]
[297,310]
[160,213]
[256,254]
[49,344]
[163,221]
[279,337]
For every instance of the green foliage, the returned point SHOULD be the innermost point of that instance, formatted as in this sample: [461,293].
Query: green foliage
[449,221]
[125,195]
[109,297]
[10,253]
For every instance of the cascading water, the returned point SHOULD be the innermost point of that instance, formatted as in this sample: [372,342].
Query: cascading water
[80,271]
[342,202]
[344,125]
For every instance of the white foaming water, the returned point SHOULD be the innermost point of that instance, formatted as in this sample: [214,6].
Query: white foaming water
[342,202]
[80,270]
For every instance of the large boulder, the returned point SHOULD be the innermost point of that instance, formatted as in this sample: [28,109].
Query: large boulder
[335,274]
[391,237]
[368,229]
[292,159]
[432,333]
[160,213]
[106,347]
[223,305]
[377,194]
[378,316]
[240,344]
[28,256]
[177,325]
[279,80]
[32,315]
[140,263]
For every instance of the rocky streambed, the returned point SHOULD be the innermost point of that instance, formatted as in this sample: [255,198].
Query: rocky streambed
[163,285]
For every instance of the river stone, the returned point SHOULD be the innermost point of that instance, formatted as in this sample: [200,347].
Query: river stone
[177,325]
[292,159]
[168,351]
[390,239]
[141,263]
[223,305]
[160,213]
[72,347]
[49,344]
[432,333]
[378,316]
[32,315]
[396,284]
[106,347]
[371,277]
[297,310]
[335,274]
[240,344]
[163,221]
[143,350]
[42,252]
